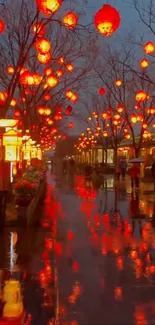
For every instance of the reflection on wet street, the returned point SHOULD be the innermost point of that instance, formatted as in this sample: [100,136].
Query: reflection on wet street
[107,267]
[102,244]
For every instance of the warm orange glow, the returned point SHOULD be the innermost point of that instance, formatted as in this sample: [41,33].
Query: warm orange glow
[52,81]
[69,67]
[133,118]
[144,125]
[59,73]
[120,108]
[145,134]
[44,58]
[43,45]
[47,71]
[140,117]
[10,69]
[105,134]
[2,98]
[37,79]
[149,48]
[26,78]
[47,97]
[72,96]
[127,136]
[70,20]
[40,110]
[61,60]
[47,111]
[118,82]
[116,116]
[49,6]
[4,123]
[105,116]
[38,29]
[141,96]
[115,122]
[144,63]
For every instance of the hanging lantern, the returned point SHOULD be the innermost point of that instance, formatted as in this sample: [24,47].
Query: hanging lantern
[38,29]
[47,111]
[43,45]
[37,79]
[13,102]
[10,69]
[153,125]
[107,20]
[17,113]
[144,125]
[101,91]
[71,125]
[2,98]
[70,20]
[52,81]
[127,136]
[69,110]
[2,27]
[149,48]
[144,63]
[118,82]
[105,134]
[47,97]
[104,115]
[59,73]
[120,108]
[116,116]
[26,78]
[141,96]
[61,60]
[140,118]
[133,118]
[69,67]
[47,7]
[145,134]
[44,58]
[40,110]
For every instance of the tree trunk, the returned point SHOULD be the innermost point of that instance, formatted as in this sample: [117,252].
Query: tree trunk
[137,152]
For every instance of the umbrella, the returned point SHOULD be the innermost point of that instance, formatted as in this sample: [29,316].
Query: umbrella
[136,161]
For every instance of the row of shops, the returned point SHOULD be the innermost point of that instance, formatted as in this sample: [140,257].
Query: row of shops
[17,151]
[100,155]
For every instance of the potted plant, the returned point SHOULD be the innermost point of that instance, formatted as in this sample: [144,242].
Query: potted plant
[23,192]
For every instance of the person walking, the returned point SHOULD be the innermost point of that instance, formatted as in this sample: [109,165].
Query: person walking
[118,170]
[123,165]
[134,173]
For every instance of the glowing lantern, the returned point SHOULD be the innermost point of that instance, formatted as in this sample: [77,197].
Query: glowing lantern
[41,110]
[59,73]
[149,48]
[141,96]
[44,58]
[120,108]
[38,29]
[107,20]
[47,7]
[74,98]
[105,116]
[144,125]
[37,79]
[61,60]
[144,63]
[43,45]
[26,78]
[115,122]
[71,125]
[140,117]
[13,102]
[101,91]
[127,136]
[47,97]
[153,125]
[70,20]
[16,113]
[69,94]
[2,27]
[116,116]
[133,118]
[145,134]
[2,98]
[105,134]
[10,69]
[69,67]
[52,81]
[12,141]
[118,82]
[47,111]
[58,117]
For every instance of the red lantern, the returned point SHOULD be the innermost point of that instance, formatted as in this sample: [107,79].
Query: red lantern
[2,98]
[141,96]
[26,78]
[107,20]
[118,82]
[17,113]
[38,29]
[43,45]
[47,7]
[144,63]
[70,20]
[101,91]
[47,71]
[71,125]
[59,73]
[10,69]
[44,58]
[2,27]
[69,110]
[47,97]
[69,67]
[61,60]
[37,79]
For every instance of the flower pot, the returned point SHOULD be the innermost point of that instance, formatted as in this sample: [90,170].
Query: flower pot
[23,200]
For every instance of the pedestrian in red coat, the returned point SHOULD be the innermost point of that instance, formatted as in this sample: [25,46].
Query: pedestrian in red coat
[134,172]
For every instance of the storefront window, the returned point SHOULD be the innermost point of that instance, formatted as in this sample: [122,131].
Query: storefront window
[110,156]
[100,156]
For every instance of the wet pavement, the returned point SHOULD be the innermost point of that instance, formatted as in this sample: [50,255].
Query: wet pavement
[101,243]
